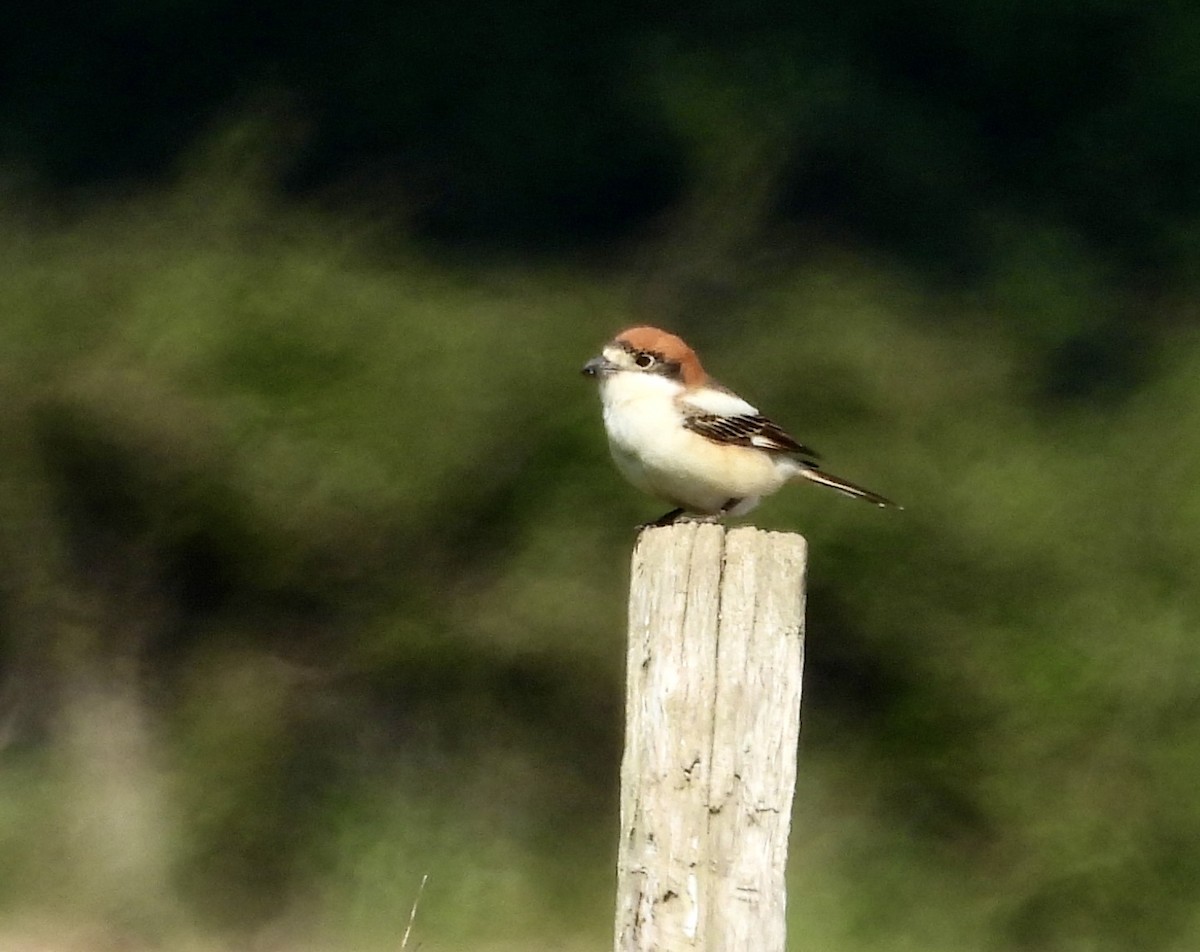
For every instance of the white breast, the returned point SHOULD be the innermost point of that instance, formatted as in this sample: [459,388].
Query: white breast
[656,453]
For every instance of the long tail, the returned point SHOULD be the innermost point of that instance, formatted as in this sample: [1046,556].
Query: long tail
[846,488]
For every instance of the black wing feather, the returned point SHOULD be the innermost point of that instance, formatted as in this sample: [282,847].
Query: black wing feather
[747,430]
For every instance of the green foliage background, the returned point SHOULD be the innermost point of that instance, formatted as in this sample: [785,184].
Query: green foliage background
[312,563]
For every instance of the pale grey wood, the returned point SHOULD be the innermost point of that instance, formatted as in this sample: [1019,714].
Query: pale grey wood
[715,657]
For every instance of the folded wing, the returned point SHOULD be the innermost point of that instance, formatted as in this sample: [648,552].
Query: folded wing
[747,429]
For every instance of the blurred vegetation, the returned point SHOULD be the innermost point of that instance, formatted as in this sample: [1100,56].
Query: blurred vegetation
[312,563]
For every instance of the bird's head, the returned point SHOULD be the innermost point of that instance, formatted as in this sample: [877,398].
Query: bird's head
[647,350]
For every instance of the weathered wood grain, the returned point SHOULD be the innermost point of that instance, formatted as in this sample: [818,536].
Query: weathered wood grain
[715,657]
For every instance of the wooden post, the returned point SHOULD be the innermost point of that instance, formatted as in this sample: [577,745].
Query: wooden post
[716,651]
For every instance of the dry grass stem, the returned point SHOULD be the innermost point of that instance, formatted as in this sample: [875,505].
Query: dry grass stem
[412,913]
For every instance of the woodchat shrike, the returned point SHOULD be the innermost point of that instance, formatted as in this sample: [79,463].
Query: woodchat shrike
[677,434]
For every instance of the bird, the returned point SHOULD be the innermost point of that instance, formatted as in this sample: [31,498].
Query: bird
[678,435]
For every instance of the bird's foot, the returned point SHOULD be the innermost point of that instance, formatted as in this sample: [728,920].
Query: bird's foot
[665,519]
[683,515]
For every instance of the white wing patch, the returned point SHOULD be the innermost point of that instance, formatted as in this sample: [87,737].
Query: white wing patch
[716,402]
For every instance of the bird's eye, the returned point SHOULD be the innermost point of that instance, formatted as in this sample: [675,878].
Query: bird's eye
[644,360]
